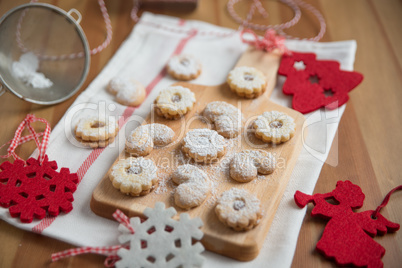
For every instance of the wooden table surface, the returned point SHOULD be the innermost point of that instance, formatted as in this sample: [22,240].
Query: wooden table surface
[367,149]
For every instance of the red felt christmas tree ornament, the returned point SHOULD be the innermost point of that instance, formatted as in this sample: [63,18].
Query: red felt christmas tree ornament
[316,83]
[347,237]
[34,188]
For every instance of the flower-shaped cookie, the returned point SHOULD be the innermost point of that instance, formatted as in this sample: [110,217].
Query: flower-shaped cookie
[274,126]
[238,209]
[184,67]
[95,131]
[247,82]
[134,176]
[174,102]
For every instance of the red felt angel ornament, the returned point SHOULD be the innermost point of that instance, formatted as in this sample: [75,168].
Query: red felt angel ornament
[347,237]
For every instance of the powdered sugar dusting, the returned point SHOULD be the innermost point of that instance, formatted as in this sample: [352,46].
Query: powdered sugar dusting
[246,79]
[226,117]
[26,70]
[167,100]
[184,65]
[204,144]
[274,126]
[238,209]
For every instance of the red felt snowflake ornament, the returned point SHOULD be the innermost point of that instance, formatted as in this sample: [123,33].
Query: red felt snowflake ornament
[347,237]
[34,188]
[316,83]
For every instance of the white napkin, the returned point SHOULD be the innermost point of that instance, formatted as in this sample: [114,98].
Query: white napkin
[142,56]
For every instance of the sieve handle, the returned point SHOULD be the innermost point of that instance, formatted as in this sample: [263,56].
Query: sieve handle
[2,89]
[77,13]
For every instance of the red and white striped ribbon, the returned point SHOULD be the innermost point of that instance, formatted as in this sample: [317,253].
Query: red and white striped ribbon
[295,5]
[109,251]
[123,219]
[18,140]
[270,40]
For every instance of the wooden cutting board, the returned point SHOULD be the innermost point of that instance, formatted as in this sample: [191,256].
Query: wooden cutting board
[269,189]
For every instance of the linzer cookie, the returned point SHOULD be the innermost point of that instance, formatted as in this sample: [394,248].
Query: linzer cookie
[134,176]
[94,131]
[226,118]
[95,144]
[238,209]
[204,145]
[245,165]
[194,186]
[247,82]
[128,92]
[275,127]
[142,140]
[184,67]
[174,102]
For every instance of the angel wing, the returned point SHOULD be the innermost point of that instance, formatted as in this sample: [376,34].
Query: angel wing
[373,226]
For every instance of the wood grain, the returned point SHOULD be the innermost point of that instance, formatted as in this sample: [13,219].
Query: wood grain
[368,146]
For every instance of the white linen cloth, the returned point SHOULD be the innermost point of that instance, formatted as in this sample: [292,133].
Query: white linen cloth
[142,56]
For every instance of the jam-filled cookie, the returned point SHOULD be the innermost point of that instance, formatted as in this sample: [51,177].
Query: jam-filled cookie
[134,176]
[275,127]
[247,82]
[238,209]
[174,102]
[184,67]
[94,131]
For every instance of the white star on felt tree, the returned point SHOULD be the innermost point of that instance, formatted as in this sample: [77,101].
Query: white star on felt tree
[299,65]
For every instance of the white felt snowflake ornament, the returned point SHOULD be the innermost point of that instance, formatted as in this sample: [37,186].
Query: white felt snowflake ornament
[161,241]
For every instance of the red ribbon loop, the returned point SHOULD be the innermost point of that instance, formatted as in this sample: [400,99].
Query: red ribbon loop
[109,251]
[269,42]
[18,140]
[385,201]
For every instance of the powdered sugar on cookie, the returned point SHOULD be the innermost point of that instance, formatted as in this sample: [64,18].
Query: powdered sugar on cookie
[142,140]
[245,165]
[128,91]
[247,82]
[95,128]
[193,186]
[174,102]
[204,145]
[226,117]
[184,67]
[274,126]
[238,209]
[134,176]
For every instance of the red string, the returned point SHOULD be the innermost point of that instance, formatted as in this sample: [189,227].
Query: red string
[108,39]
[109,251]
[385,201]
[18,140]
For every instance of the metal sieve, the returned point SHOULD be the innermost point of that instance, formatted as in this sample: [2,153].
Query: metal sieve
[55,39]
